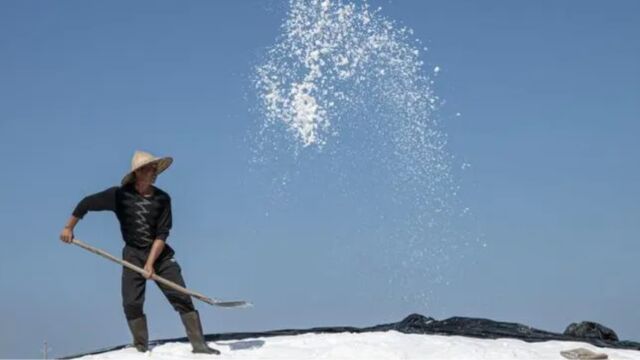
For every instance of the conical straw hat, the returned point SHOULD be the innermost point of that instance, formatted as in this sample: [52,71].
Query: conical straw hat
[142,158]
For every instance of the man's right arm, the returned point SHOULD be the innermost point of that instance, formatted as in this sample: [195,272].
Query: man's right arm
[67,232]
[104,200]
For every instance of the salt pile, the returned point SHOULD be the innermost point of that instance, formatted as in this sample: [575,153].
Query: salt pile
[378,345]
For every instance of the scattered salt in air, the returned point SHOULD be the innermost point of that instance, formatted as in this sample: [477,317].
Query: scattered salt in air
[329,51]
[334,59]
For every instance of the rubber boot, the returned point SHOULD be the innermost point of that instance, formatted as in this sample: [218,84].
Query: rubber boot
[192,325]
[140,333]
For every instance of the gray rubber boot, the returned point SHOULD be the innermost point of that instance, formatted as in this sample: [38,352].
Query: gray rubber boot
[192,325]
[140,333]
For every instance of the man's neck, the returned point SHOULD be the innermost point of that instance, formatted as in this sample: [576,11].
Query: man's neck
[144,189]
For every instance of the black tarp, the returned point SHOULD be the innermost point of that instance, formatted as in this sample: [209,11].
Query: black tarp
[419,324]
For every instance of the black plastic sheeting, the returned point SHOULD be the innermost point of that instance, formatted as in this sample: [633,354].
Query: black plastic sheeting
[589,332]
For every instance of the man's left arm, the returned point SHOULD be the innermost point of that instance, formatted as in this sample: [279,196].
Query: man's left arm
[162,233]
[156,250]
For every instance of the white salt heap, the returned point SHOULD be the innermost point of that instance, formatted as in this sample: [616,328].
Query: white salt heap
[370,346]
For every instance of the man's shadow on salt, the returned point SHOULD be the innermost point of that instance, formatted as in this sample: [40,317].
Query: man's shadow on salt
[246,345]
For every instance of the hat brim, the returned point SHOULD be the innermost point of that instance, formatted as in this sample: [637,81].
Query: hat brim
[161,163]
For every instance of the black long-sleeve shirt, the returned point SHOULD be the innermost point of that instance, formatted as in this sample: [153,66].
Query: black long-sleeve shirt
[142,219]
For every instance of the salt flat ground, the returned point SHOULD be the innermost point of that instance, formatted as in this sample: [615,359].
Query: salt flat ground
[388,345]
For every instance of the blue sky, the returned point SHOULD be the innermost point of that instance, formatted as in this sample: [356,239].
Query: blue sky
[549,97]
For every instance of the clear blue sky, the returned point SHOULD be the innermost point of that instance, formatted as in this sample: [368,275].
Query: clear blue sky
[549,93]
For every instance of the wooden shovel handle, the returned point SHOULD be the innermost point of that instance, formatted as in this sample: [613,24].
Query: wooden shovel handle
[138,269]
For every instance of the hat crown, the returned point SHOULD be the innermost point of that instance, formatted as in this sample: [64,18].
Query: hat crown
[140,158]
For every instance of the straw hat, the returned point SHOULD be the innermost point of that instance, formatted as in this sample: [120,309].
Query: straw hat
[142,158]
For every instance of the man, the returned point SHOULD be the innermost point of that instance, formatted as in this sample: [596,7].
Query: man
[144,213]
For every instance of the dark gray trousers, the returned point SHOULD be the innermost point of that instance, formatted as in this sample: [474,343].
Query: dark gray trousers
[134,284]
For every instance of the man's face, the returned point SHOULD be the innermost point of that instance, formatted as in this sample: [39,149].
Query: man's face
[146,174]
